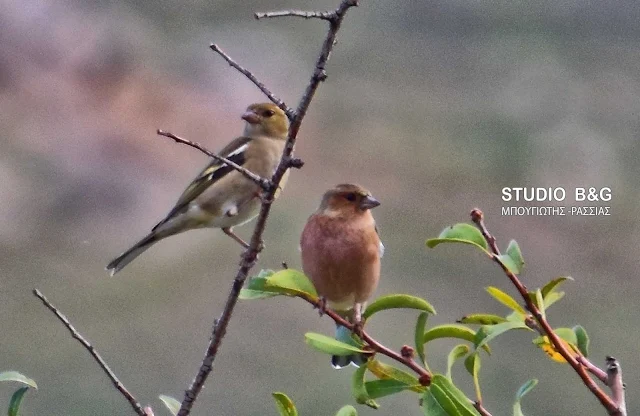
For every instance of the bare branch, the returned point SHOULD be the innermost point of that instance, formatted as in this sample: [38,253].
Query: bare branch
[614,381]
[329,16]
[277,101]
[262,182]
[250,256]
[75,334]
[478,218]
[592,368]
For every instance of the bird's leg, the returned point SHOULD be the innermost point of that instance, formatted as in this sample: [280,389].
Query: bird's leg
[230,233]
[357,319]
[322,305]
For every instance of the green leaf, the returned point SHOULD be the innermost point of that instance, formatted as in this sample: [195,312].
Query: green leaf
[506,299]
[421,324]
[386,387]
[452,331]
[472,364]
[489,332]
[347,411]
[330,345]
[460,233]
[20,378]
[515,317]
[256,289]
[385,372]
[567,334]
[435,402]
[540,303]
[513,258]
[481,319]
[440,386]
[552,298]
[16,401]
[264,273]
[249,294]
[359,390]
[291,282]
[398,301]
[458,351]
[172,404]
[284,404]
[582,339]
[553,284]
[524,389]
[508,263]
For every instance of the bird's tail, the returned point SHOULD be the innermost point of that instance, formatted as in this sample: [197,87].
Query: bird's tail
[128,256]
[339,361]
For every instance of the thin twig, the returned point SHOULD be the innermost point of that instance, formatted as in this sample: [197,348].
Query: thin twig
[592,368]
[480,408]
[262,182]
[277,101]
[478,218]
[297,13]
[614,381]
[250,256]
[75,334]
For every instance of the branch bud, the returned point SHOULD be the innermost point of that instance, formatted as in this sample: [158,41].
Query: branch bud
[407,351]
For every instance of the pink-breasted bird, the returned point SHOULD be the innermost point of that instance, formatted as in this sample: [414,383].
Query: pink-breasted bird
[341,252]
[220,196]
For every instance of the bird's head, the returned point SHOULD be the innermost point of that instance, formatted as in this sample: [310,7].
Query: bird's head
[347,199]
[265,119]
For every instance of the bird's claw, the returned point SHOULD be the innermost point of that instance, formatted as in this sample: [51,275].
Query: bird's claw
[358,328]
[322,305]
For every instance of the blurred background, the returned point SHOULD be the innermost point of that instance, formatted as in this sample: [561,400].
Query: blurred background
[434,105]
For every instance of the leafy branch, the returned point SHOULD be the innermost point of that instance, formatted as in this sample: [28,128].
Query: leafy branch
[292,282]
[568,345]
[573,357]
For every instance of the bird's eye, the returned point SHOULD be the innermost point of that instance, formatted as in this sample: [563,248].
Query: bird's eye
[268,113]
[351,197]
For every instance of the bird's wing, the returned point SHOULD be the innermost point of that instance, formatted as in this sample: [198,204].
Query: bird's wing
[213,172]
[381,247]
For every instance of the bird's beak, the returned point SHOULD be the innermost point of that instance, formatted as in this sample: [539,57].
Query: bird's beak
[369,202]
[251,117]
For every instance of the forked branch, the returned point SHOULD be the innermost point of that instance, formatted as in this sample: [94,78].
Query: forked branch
[287,161]
[424,376]
[615,406]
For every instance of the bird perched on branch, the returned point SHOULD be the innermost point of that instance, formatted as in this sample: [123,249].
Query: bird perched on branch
[220,196]
[341,252]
